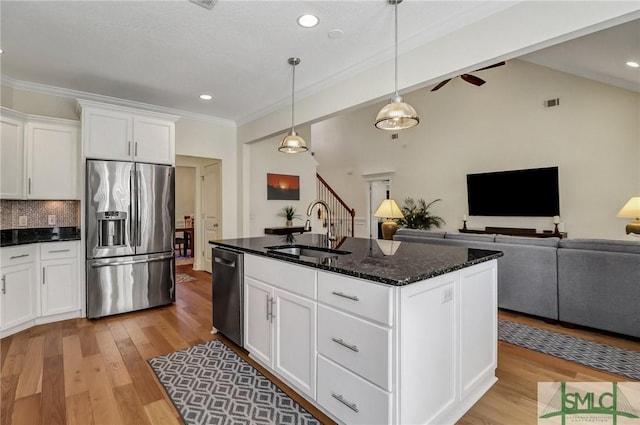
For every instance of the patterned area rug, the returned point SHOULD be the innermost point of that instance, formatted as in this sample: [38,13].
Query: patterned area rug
[210,384]
[183,277]
[599,356]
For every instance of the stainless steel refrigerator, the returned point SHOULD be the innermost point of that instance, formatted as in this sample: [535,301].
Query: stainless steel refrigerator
[130,230]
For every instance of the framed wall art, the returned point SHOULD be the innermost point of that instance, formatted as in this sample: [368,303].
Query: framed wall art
[283,187]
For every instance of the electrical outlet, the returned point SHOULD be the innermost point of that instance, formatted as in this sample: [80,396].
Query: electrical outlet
[51,220]
[22,221]
[447,295]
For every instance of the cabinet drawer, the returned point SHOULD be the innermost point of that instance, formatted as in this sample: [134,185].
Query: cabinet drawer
[296,279]
[18,255]
[350,398]
[55,250]
[358,345]
[356,296]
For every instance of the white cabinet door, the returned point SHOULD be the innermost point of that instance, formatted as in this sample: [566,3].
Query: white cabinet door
[18,295]
[52,161]
[258,332]
[295,341]
[11,157]
[59,286]
[107,134]
[154,140]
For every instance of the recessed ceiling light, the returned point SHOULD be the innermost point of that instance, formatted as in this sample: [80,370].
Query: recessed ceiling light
[1,51]
[308,21]
[633,64]
[335,34]
[206,97]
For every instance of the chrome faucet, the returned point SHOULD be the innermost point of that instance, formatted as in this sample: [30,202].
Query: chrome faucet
[307,225]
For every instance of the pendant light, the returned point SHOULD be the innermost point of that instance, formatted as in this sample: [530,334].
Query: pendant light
[292,143]
[397,114]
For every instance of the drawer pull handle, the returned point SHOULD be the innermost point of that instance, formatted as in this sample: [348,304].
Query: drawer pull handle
[18,256]
[59,250]
[343,295]
[341,399]
[344,344]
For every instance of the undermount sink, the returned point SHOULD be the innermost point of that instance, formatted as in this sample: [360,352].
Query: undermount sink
[307,251]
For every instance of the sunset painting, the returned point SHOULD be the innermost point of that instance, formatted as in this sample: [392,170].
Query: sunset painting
[282,186]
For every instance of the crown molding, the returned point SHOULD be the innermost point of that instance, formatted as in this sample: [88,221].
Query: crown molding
[77,94]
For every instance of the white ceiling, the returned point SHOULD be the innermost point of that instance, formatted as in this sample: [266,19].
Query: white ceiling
[167,53]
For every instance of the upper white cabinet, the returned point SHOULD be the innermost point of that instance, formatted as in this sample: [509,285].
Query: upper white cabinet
[40,157]
[52,160]
[11,155]
[126,134]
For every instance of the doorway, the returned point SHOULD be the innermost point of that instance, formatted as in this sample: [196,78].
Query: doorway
[378,191]
[203,185]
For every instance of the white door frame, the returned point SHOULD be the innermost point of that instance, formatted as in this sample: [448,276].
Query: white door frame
[375,198]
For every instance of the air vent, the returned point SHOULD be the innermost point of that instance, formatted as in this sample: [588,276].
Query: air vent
[207,4]
[552,102]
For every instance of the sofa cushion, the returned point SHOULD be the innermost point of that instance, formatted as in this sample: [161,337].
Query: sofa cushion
[420,233]
[520,240]
[470,237]
[600,289]
[527,278]
[609,245]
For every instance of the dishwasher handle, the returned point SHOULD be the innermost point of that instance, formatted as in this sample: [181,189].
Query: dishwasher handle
[224,262]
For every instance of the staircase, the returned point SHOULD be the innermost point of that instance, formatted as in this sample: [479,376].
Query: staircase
[342,215]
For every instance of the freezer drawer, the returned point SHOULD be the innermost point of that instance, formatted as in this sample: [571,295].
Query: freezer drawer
[124,284]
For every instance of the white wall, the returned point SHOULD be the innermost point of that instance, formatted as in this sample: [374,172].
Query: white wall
[209,139]
[185,191]
[265,158]
[593,137]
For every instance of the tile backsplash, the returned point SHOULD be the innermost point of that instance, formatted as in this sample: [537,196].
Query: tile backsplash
[67,213]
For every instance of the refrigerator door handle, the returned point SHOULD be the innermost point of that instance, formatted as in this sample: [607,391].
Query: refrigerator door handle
[138,219]
[132,210]
[108,263]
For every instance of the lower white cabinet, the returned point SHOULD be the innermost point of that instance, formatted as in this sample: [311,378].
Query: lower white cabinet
[421,353]
[18,305]
[39,285]
[280,328]
[59,268]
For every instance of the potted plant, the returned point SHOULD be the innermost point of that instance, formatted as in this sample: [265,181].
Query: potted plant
[289,213]
[417,215]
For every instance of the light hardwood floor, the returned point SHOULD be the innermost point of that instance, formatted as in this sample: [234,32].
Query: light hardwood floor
[95,371]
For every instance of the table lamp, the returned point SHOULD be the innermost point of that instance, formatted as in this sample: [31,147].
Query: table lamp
[632,210]
[389,209]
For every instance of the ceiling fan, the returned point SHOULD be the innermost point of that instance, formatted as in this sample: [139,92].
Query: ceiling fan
[476,81]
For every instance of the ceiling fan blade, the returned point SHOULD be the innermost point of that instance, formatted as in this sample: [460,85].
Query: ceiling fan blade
[472,79]
[440,84]
[491,66]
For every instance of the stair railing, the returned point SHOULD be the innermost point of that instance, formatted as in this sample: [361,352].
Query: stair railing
[343,216]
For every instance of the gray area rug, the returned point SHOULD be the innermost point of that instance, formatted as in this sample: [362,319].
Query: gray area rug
[210,384]
[599,356]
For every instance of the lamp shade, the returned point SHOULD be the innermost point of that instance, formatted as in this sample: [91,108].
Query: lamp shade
[397,115]
[631,209]
[388,209]
[292,143]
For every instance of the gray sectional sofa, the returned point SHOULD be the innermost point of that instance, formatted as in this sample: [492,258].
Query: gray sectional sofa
[588,282]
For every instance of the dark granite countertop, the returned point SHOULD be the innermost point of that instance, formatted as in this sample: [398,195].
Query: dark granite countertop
[11,237]
[366,259]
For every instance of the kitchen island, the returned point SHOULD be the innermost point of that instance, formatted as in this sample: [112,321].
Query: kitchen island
[372,331]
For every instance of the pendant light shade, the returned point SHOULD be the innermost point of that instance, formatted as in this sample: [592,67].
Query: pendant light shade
[397,114]
[292,143]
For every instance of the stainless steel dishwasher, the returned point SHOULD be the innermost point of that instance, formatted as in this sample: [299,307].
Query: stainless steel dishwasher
[228,293]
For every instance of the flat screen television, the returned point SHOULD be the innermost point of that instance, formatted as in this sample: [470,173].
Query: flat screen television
[526,193]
